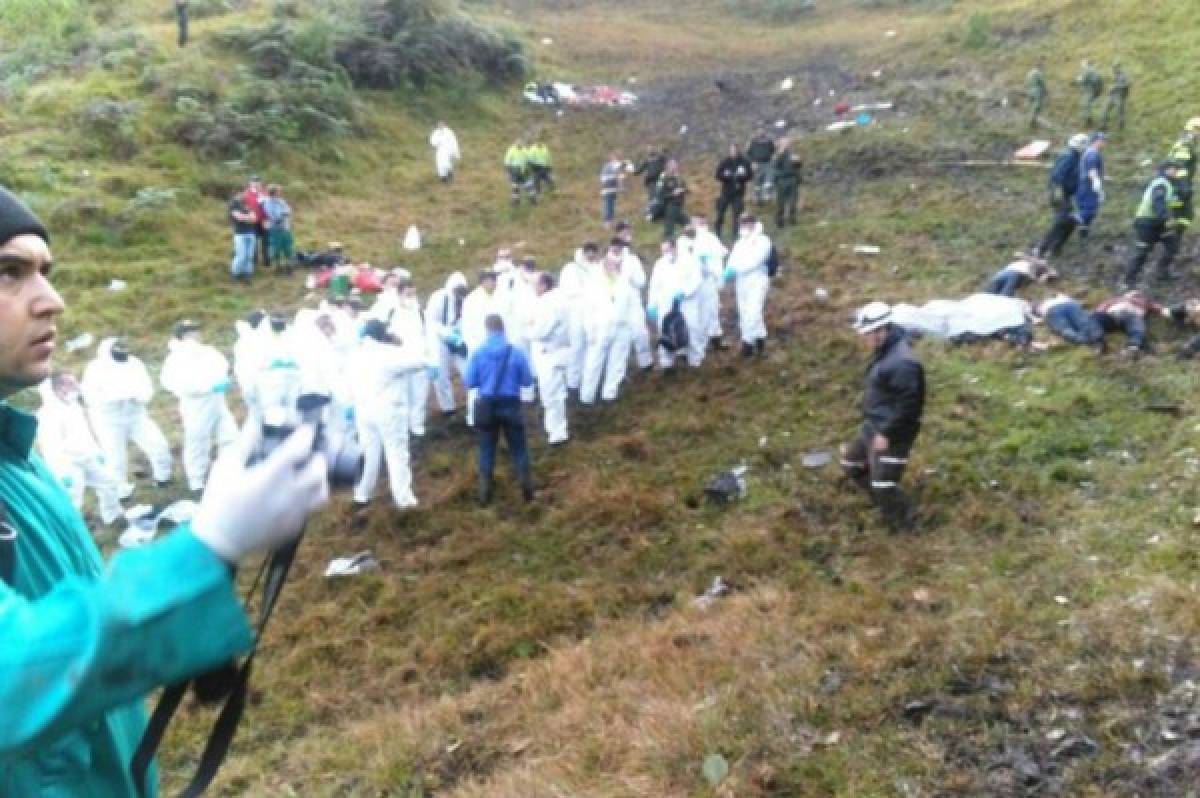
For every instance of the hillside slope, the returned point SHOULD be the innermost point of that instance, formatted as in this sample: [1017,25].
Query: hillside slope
[554,649]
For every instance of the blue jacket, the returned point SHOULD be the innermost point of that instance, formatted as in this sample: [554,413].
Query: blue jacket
[1085,196]
[1065,174]
[483,370]
[83,644]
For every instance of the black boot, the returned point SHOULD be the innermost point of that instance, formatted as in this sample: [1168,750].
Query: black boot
[485,492]
[760,347]
[747,349]
[527,491]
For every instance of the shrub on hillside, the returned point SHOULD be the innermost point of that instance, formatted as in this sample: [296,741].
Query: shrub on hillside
[110,127]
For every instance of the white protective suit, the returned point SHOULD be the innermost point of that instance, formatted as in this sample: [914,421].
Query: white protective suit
[379,374]
[277,379]
[748,262]
[72,454]
[609,305]
[408,325]
[117,395]
[445,151]
[635,273]
[551,344]
[322,360]
[198,375]
[711,253]
[246,356]
[679,276]
[573,282]
[478,305]
[442,320]
[520,299]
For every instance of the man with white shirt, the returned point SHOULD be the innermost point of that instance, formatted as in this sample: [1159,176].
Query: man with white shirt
[445,151]
[747,266]
[675,282]
[551,345]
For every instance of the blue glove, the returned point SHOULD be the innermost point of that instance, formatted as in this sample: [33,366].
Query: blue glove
[433,371]
[348,414]
[455,338]
[678,297]
[652,313]
[222,387]
[729,274]
[100,460]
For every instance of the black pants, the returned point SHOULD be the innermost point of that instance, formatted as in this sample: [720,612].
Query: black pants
[1147,233]
[673,216]
[506,418]
[181,17]
[731,200]
[1064,224]
[787,194]
[264,259]
[880,474]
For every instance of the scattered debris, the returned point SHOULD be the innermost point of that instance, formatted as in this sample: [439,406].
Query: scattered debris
[780,123]
[715,769]
[82,341]
[412,239]
[1074,747]
[1032,150]
[1168,408]
[891,34]
[546,40]
[683,130]
[821,295]
[841,124]
[117,285]
[866,249]
[727,486]
[923,595]
[878,73]
[351,566]
[917,711]
[885,106]
[863,119]
[1054,735]
[818,458]
[716,590]
[1061,600]
[787,84]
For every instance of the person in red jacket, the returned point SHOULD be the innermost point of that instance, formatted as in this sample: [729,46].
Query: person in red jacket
[254,197]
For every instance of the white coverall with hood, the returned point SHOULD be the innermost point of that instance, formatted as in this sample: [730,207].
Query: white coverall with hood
[246,355]
[635,273]
[478,305]
[276,379]
[379,373]
[551,344]
[72,454]
[198,375]
[445,151]
[322,360]
[748,263]
[711,253]
[408,325]
[573,282]
[672,277]
[609,306]
[521,296]
[117,395]
[442,320]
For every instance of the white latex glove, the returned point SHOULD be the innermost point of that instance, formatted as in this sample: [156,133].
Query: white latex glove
[251,509]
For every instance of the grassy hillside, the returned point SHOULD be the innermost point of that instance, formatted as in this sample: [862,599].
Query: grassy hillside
[554,649]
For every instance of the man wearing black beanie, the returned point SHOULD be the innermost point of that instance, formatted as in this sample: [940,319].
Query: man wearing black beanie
[84,643]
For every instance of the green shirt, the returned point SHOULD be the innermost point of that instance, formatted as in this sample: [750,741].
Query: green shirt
[1035,83]
[84,644]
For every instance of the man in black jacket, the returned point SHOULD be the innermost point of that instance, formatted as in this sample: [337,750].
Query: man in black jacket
[892,405]
[733,172]
[761,151]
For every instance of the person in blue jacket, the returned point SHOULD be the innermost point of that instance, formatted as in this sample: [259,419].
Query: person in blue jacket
[1089,196]
[84,643]
[1063,183]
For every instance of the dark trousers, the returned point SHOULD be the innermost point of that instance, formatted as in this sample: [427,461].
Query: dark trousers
[506,418]
[1060,230]
[1133,325]
[610,206]
[1074,324]
[673,216]
[880,474]
[787,194]
[542,174]
[263,256]
[734,201]
[181,17]
[1149,232]
[1005,282]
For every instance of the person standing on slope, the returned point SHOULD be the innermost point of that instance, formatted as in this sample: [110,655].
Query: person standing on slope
[445,151]
[551,345]
[748,267]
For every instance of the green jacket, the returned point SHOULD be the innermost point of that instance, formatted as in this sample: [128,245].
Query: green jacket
[516,158]
[786,168]
[1035,84]
[83,644]
[1092,83]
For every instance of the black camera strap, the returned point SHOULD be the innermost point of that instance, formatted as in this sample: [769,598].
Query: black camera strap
[216,748]
[8,547]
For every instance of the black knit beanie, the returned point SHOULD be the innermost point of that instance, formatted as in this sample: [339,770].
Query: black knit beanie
[16,218]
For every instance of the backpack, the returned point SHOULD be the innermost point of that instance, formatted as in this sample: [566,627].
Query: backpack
[773,262]
[674,337]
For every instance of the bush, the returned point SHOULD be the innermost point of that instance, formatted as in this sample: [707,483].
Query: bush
[110,126]
[979,31]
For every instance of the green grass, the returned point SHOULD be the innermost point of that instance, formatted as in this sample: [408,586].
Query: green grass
[552,649]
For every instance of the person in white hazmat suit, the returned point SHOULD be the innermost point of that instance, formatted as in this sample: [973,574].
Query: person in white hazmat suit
[445,151]
[379,370]
[521,296]
[635,273]
[676,280]
[443,316]
[608,307]
[198,376]
[70,450]
[322,356]
[485,300]
[711,254]
[251,333]
[573,282]
[551,345]
[408,325]
[747,266]
[276,378]
[117,391]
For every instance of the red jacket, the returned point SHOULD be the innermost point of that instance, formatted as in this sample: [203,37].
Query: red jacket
[253,200]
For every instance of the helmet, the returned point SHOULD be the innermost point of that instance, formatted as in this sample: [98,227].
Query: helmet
[1079,141]
[1193,125]
[871,317]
